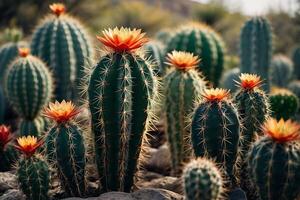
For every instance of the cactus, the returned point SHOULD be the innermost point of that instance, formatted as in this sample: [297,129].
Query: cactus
[120,92]
[35,126]
[28,88]
[202,41]
[284,103]
[2,105]
[274,161]
[155,50]
[294,87]
[163,36]
[62,42]
[182,87]
[64,144]
[202,180]
[32,170]
[228,79]
[281,72]
[8,155]
[256,48]
[216,130]
[296,62]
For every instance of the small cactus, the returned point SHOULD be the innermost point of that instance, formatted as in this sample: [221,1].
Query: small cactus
[281,72]
[155,51]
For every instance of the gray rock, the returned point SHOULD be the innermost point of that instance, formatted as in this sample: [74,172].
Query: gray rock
[13,195]
[159,160]
[7,181]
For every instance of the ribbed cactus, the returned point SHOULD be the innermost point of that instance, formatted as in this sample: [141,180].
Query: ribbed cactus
[65,145]
[294,87]
[296,62]
[281,72]
[28,88]
[216,130]
[202,180]
[203,42]
[284,104]
[228,79]
[256,48]
[35,126]
[62,42]
[182,87]
[274,161]
[32,170]
[155,51]
[120,94]
[163,36]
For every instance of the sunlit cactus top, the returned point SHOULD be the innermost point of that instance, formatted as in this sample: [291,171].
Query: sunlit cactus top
[57,8]
[249,81]
[28,145]
[61,112]
[282,131]
[5,136]
[281,91]
[24,52]
[182,60]
[215,94]
[123,39]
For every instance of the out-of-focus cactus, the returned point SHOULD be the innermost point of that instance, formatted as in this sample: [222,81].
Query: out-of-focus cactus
[155,51]
[296,61]
[228,79]
[256,48]
[274,161]
[294,86]
[62,42]
[163,36]
[203,42]
[182,87]
[120,91]
[281,72]
[2,105]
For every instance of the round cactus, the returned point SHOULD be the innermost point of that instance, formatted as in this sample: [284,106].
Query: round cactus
[274,161]
[202,180]
[155,51]
[296,62]
[163,35]
[281,71]
[228,79]
[62,42]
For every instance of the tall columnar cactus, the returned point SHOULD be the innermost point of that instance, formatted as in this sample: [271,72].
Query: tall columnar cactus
[62,42]
[228,79]
[32,170]
[182,87]
[281,72]
[65,145]
[216,130]
[202,41]
[256,48]
[202,180]
[155,51]
[120,93]
[296,61]
[28,88]
[274,161]
[284,103]
[8,155]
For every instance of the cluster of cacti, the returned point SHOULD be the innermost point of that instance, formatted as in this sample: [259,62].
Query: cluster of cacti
[228,79]
[62,42]
[8,155]
[281,72]
[256,48]
[155,50]
[296,62]
[204,42]
[182,87]
[274,161]
[28,86]
[202,180]
[65,147]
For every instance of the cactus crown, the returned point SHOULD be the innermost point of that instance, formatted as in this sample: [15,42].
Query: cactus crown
[123,39]
[249,81]
[5,136]
[28,145]
[281,131]
[280,91]
[61,112]
[182,60]
[215,94]
[57,8]
[23,52]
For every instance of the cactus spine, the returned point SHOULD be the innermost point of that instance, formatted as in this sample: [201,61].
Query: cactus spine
[296,61]
[202,180]
[256,48]
[120,92]
[281,71]
[62,42]
[183,85]
[216,129]
[155,51]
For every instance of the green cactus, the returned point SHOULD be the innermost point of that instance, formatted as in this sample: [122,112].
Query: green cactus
[33,127]
[202,180]
[182,87]
[274,161]
[256,48]
[163,36]
[281,72]
[204,42]
[155,51]
[2,105]
[296,62]
[216,129]
[294,86]
[228,79]
[62,42]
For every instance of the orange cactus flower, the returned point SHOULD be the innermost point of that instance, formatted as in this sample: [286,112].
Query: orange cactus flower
[281,131]
[24,52]
[123,39]
[5,136]
[182,60]
[249,81]
[215,94]
[61,112]
[28,145]
[57,8]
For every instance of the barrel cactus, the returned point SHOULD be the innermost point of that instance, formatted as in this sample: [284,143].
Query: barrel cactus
[296,62]
[182,87]
[203,42]
[65,141]
[228,79]
[281,72]
[62,42]
[32,170]
[155,51]
[256,48]
[274,161]
[202,180]
[216,130]
[120,91]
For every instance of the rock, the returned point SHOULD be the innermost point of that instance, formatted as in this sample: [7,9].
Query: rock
[149,176]
[13,194]
[7,181]
[237,194]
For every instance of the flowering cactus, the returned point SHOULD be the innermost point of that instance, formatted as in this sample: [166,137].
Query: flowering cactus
[8,155]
